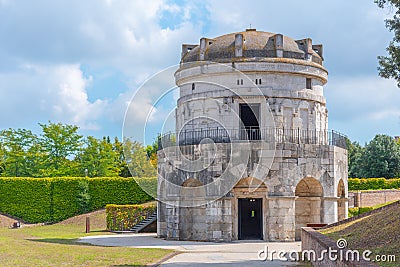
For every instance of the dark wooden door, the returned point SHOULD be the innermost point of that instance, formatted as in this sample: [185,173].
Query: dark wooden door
[250,218]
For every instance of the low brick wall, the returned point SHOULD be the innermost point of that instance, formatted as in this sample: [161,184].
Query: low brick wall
[311,240]
[373,197]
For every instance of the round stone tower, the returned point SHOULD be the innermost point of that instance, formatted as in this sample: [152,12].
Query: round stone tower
[252,156]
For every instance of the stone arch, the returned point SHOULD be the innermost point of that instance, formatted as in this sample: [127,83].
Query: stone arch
[309,187]
[341,194]
[250,182]
[309,193]
[192,210]
[250,188]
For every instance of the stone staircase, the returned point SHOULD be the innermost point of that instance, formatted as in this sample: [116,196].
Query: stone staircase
[141,225]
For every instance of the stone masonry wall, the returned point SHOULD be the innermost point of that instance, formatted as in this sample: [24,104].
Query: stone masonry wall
[373,197]
[217,220]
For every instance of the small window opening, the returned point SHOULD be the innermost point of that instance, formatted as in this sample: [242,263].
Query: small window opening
[259,81]
[308,83]
[238,82]
[193,86]
[241,81]
[256,81]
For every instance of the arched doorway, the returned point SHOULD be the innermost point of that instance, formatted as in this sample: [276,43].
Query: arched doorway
[307,204]
[250,209]
[341,194]
[192,210]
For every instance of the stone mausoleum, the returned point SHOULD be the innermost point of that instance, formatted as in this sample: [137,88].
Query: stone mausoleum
[252,156]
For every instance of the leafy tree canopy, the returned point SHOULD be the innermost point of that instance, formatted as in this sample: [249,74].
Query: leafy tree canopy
[61,151]
[389,66]
[379,158]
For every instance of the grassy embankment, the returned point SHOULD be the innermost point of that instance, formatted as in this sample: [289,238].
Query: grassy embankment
[378,232]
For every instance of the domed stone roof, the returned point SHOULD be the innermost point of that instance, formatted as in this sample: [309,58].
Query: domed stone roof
[251,45]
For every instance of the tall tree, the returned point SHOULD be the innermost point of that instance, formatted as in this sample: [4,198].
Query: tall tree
[354,152]
[118,147]
[21,153]
[60,143]
[98,158]
[151,151]
[136,159]
[2,158]
[389,66]
[381,158]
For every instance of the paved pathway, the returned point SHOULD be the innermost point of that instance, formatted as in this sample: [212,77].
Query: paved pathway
[202,253]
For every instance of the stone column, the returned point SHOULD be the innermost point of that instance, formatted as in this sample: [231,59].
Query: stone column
[281,224]
[346,206]
[161,224]
[172,221]
[329,209]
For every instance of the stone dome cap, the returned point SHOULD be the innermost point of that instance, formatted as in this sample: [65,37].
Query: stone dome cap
[251,45]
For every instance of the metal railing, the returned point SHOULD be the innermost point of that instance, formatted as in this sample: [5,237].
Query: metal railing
[276,135]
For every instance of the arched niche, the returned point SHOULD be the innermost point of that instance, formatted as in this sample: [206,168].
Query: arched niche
[309,193]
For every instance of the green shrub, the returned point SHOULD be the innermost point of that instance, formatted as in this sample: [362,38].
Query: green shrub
[55,199]
[124,217]
[356,184]
[353,212]
[358,210]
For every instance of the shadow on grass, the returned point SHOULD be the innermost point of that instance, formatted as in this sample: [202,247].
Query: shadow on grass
[62,241]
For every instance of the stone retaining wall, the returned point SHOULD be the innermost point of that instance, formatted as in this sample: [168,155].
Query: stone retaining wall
[372,197]
[311,240]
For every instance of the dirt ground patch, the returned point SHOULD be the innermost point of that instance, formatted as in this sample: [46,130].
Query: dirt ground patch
[97,219]
[5,221]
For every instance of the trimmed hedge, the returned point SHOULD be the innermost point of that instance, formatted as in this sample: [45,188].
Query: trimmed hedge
[51,200]
[356,184]
[105,191]
[26,198]
[124,217]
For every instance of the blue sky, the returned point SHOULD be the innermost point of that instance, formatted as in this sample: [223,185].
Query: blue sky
[80,62]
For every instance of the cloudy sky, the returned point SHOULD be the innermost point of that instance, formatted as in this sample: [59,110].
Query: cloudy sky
[80,62]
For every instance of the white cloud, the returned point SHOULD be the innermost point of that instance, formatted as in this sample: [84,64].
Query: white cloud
[61,45]
[54,92]
[362,97]
[363,106]
[51,40]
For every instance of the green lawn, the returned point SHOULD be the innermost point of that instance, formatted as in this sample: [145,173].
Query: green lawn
[55,245]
